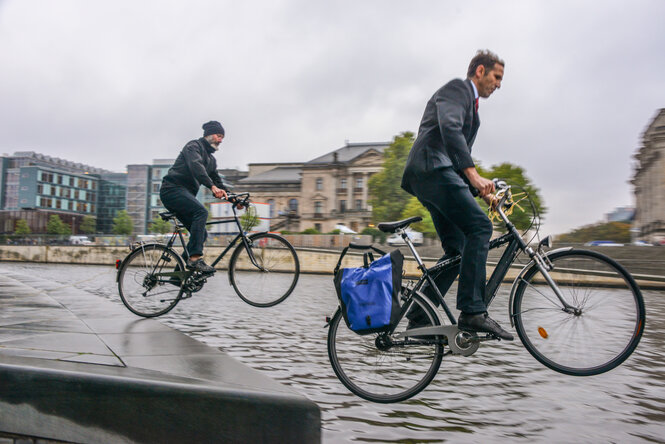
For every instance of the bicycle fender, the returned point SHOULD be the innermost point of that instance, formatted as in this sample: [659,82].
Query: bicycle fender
[526,268]
[329,318]
[132,248]
[250,237]
[260,232]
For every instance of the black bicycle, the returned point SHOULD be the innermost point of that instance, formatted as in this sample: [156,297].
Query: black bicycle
[263,268]
[576,311]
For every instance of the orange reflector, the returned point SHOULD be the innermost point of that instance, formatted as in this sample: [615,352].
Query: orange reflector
[542,332]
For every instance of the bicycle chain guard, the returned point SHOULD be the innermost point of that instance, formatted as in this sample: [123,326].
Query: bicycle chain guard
[460,342]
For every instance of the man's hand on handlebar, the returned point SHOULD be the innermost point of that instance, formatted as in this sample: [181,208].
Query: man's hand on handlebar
[491,200]
[484,186]
[238,203]
[218,192]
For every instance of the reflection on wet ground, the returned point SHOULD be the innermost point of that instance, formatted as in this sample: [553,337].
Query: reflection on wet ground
[500,394]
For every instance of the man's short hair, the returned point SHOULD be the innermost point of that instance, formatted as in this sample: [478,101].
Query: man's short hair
[486,58]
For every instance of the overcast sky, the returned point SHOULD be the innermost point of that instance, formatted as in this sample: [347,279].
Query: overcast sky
[124,82]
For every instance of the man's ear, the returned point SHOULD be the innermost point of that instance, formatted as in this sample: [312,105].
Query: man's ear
[480,71]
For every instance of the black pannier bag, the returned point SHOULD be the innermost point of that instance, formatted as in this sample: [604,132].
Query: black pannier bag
[369,295]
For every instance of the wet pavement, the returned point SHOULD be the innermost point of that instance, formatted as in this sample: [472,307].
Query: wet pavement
[49,331]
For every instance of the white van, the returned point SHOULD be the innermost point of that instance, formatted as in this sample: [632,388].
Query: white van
[415,236]
[79,240]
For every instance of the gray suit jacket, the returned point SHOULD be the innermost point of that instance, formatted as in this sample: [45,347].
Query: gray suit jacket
[446,134]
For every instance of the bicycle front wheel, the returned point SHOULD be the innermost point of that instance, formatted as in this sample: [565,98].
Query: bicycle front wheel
[266,273]
[381,368]
[146,280]
[602,329]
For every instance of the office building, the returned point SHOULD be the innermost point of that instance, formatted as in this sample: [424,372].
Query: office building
[34,186]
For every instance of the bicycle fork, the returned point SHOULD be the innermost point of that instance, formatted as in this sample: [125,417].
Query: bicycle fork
[544,266]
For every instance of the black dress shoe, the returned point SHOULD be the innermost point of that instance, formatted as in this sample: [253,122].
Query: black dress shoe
[483,323]
[199,265]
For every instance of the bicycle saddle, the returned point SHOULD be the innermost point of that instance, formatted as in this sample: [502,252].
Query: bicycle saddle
[167,215]
[391,227]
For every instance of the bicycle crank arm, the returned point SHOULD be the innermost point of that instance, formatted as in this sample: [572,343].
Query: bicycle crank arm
[460,342]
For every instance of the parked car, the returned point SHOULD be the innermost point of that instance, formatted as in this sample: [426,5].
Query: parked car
[641,243]
[80,240]
[603,243]
[415,236]
[344,229]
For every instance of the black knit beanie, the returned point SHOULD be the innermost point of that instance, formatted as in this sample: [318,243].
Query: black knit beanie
[212,127]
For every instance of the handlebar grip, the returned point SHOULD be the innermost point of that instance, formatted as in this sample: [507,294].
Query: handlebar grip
[499,184]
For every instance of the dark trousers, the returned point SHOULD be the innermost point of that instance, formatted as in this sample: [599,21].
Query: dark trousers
[463,227]
[191,213]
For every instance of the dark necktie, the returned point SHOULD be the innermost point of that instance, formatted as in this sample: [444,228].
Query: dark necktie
[475,105]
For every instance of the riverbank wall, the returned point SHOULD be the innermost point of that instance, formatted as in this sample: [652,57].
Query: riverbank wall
[645,263]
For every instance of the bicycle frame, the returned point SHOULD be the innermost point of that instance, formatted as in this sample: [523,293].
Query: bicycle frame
[515,245]
[241,235]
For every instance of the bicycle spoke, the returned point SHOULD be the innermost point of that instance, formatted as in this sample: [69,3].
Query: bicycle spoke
[143,288]
[267,272]
[599,334]
[389,374]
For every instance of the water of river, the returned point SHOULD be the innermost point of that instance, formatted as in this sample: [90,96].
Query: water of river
[500,394]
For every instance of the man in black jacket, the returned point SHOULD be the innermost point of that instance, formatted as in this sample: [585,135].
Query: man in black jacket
[195,166]
[442,175]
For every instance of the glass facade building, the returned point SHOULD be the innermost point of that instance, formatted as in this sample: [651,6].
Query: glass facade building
[34,186]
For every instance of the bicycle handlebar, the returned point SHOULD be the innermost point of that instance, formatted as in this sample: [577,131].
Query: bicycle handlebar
[239,199]
[504,196]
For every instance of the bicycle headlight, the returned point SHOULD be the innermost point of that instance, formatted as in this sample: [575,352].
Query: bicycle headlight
[546,242]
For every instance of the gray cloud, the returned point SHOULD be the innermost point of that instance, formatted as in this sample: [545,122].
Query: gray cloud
[117,83]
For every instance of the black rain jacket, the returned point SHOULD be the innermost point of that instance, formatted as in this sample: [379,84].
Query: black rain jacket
[195,166]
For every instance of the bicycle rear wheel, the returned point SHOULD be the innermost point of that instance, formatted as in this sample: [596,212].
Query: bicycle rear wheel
[605,327]
[146,282]
[379,369]
[273,274]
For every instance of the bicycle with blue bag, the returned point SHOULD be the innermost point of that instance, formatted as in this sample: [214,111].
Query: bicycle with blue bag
[576,311]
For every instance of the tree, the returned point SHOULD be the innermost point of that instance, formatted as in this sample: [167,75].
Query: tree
[388,198]
[88,225]
[22,227]
[122,223]
[160,226]
[250,218]
[610,231]
[415,208]
[55,225]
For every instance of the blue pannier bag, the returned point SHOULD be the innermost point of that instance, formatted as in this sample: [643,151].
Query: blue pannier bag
[369,295]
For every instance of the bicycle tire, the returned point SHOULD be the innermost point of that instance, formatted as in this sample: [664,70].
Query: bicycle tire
[605,331]
[278,277]
[143,291]
[385,376]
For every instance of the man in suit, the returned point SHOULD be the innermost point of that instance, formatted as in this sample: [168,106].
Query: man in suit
[442,175]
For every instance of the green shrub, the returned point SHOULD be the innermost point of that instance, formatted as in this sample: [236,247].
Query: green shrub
[377,235]
[310,231]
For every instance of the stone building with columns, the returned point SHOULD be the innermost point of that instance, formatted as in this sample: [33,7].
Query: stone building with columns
[329,190]
[649,183]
